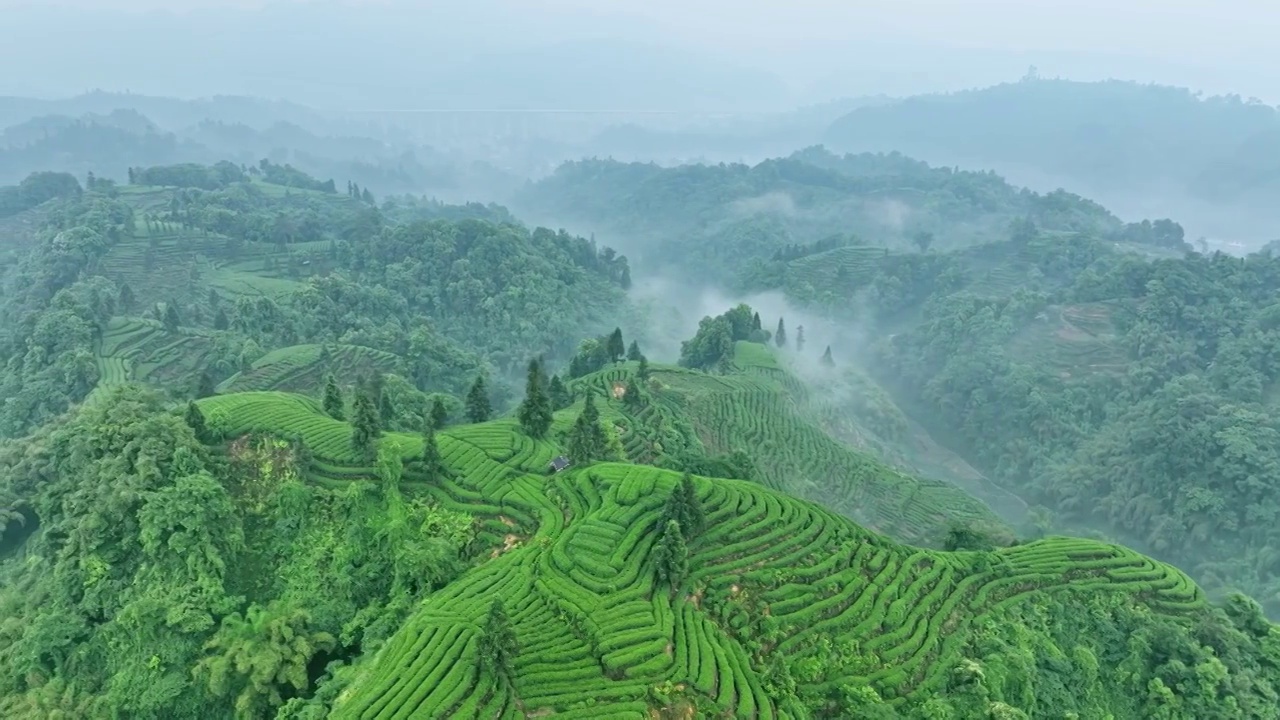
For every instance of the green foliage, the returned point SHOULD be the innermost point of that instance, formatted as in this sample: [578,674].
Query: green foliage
[334,404]
[194,418]
[587,440]
[497,646]
[478,407]
[440,414]
[671,556]
[1136,396]
[535,411]
[432,465]
[189,175]
[560,395]
[37,188]
[255,656]
[615,347]
[366,423]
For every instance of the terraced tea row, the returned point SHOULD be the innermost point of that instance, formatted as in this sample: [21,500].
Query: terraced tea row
[771,578]
[772,582]
[134,349]
[301,368]
[762,411]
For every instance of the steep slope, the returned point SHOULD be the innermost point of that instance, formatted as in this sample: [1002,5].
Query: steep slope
[762,410]
[786,610]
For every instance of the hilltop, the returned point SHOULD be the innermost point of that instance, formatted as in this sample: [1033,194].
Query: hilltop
[194,277]
[767,606]
[1152,148]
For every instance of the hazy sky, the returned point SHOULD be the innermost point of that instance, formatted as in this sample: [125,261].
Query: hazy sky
[378,51]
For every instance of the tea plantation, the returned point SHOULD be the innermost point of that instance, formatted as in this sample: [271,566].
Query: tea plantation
[786,610]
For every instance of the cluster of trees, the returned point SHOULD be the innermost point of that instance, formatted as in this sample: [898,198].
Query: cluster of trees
[37,188]
[150,568]
[731,223]
[712,346]
[1175,453]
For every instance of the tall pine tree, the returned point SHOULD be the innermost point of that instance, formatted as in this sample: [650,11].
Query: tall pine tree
[826,358]
[171,319]
[535,412]
[195,420]
[439,414]
[800,339]
[633,352]
[671,556]
[478,407]
[615,346]
[205,387]
[587,439]
[560,396]
[365,427]
[334,406]
[780,335]
[127,301]
[431,463]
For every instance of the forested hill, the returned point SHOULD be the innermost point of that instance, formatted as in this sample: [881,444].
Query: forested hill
[277,448]
[1111,139]
[727,221]
[225,275]
[252,555]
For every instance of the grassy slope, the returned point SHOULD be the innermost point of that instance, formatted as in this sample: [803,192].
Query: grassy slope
[771,578]
[188,263]
[301,368]
[767,413]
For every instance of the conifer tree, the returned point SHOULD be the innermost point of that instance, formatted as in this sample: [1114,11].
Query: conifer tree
[685,508]
[535,411]
[800,339]
[334,406]
[755,322]
[560,396]
[826,358]
[205,387]
[587,440]
[195,420]
[364,425]
[642,372]
[616,348]
[780,336]
[694,518]
[127,300]
[497,643]
[633,352]
[478,407]
[439,414]
[171,320]
[671,556]
[431,461]
[386,408]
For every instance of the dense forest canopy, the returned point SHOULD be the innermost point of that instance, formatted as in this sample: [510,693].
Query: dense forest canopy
[1140,144]
[729,220]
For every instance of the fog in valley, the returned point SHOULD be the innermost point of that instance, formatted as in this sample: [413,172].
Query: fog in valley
[671,325]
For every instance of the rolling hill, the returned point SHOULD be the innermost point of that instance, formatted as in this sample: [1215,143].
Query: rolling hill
[786,609]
